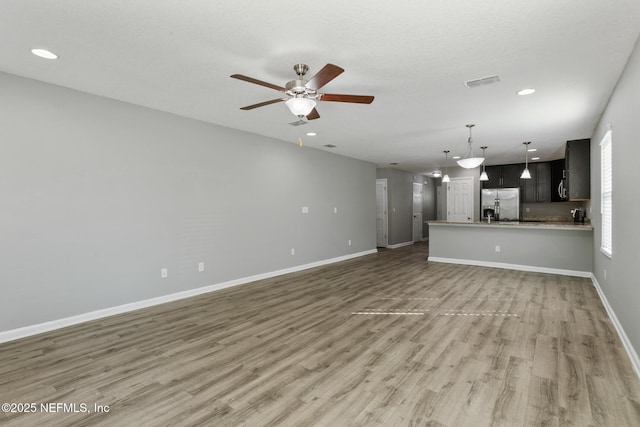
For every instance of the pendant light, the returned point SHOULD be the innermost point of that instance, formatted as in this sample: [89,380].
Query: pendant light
[470,162]
[483,175]
[445,178]
[525,173]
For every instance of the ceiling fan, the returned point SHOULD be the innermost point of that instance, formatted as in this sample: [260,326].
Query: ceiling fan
[301,95]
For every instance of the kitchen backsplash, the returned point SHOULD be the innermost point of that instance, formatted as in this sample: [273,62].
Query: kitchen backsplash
[553,212]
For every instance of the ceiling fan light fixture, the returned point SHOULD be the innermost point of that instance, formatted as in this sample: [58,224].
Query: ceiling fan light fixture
[469,161]
[301,106]
[301,95]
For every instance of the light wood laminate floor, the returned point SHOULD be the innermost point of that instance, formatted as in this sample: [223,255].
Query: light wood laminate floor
[383,340]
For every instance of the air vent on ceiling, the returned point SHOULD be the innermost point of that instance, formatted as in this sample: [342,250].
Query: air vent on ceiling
[482,81]
[330,145]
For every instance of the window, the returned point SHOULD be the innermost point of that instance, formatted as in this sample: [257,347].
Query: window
[606,190]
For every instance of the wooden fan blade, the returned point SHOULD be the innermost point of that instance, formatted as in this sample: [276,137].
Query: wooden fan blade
[262,104]
[324,76]
[313,115]
[358,99]
[258,82]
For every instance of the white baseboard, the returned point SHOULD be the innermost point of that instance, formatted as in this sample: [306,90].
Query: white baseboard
[399,245]
[520,267]
[633,355]
[26,331]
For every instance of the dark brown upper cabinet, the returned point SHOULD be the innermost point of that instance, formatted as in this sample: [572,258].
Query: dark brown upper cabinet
[503,176]
[558,181]
[538,188]
[578,169]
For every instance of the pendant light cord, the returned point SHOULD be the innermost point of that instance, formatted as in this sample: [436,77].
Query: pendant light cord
[470,140]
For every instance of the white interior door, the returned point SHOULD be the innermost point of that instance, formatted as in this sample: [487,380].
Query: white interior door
[381,213]
[417,212]
[460,200]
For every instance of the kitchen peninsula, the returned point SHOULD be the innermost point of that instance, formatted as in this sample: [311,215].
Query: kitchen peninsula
[550,247]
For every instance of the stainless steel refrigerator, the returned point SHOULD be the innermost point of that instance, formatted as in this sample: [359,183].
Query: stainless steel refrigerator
[502,204]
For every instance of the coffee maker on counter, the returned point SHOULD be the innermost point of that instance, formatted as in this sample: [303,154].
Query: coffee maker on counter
[578,215]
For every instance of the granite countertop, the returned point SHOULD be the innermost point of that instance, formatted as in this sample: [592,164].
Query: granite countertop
[558,225]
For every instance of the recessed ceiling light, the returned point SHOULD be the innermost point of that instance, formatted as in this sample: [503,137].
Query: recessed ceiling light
[531,150]
[528,91]
[393,163]
[535,158]
[44,53]
[455,157]
[311,134]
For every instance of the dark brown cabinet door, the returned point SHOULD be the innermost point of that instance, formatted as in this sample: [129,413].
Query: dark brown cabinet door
[578,163]
[538,188]
[511,175]
[504,176]
[543,182]
[529,193]
[495,177]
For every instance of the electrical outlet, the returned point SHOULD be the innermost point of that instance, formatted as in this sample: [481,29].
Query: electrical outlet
[164,273]
[349,242]
[497,248]
[293,251]
[335,210]
[605,274]
[305,209]
[200,267]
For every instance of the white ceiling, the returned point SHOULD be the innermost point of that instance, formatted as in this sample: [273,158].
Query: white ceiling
[413,56]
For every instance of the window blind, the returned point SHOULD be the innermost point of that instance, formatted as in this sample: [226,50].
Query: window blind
[606,189]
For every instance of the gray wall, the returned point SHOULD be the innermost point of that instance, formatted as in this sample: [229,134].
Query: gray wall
[400,203]
[428,201]
[400,199]
[99,195]
[534,247]
[621,285]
